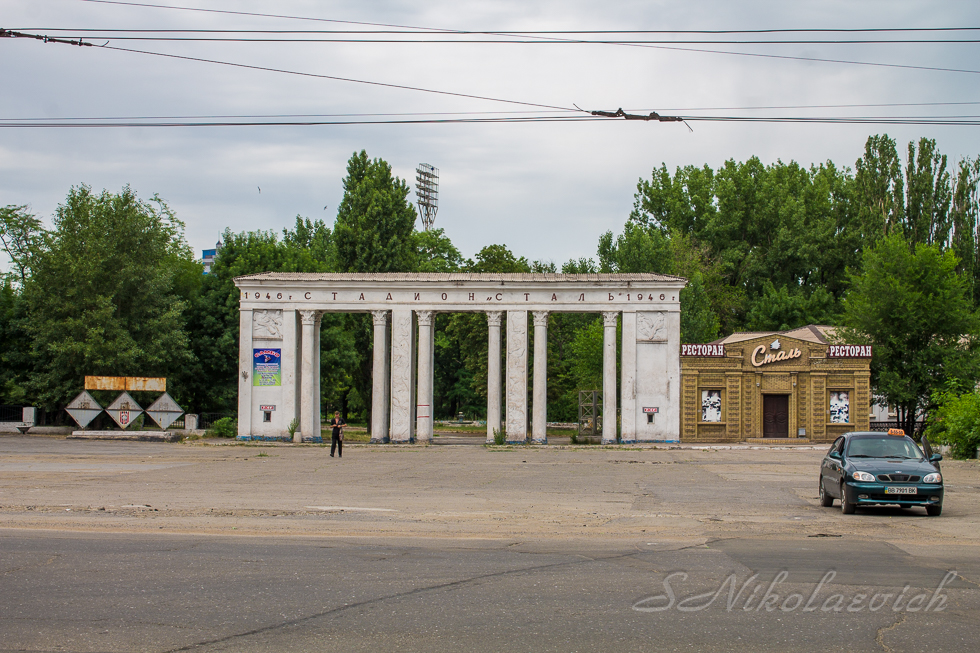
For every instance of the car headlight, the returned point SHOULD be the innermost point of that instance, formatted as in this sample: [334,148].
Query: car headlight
[863,476]
[933,478]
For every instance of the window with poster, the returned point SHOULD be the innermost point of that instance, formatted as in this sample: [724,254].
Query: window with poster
[840,406]
[711,405]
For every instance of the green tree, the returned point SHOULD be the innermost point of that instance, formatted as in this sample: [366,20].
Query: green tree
[373,233]
[21,236]
[469,331]
[915,309]
[746,225]
[436,252]
[103,294]
[315,237]
[14,345]
[213,321]
[639,248]
[779,309]
[955,421]
[699,323]
[375,220]
[929,195]
[964,214]
[880,188]
[587,356]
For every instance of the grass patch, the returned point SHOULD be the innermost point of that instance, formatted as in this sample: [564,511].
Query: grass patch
[350,436]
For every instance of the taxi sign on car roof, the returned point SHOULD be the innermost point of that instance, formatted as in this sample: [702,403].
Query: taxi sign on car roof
[896,432]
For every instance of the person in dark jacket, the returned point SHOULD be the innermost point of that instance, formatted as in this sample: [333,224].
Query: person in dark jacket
[337,436]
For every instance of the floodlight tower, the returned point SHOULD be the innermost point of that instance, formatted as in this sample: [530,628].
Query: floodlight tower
[427,190]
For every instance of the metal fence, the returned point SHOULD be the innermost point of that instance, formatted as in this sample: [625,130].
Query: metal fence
[207,420]
[894,424]
[11,413]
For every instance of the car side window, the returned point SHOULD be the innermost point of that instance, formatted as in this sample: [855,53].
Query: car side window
[836,446]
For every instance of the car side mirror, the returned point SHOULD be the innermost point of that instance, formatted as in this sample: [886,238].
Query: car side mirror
[935,458]
[835,455]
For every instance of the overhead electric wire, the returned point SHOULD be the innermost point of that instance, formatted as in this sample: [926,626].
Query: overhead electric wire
[955,121]
[284,115]
[457,31]
[225,63]
[47,39]
[505,37]
[515,112]
[299,123]
[662,47]
[635,45]
[408,30]
[506,40]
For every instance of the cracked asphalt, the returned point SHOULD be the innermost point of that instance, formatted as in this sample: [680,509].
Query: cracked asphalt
[131,546]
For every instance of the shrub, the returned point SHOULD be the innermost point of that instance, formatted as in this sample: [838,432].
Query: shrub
[499,437]
[956,422]
[226,427]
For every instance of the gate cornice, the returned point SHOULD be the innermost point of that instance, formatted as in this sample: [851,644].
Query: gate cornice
[454,292]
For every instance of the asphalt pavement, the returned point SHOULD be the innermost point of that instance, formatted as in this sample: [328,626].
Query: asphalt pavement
[163,547]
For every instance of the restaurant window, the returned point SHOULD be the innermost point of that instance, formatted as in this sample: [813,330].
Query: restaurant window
[711,405]
[840,407]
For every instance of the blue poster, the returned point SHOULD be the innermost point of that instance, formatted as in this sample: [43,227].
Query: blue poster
[267,367]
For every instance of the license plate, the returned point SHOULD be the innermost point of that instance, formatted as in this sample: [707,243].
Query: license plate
[900,490]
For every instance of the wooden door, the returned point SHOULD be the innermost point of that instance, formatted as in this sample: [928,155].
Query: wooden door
[775,416]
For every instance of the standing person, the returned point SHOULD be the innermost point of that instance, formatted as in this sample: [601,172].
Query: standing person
[337,435]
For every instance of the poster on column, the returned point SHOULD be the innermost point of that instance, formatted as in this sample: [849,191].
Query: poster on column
[267,367]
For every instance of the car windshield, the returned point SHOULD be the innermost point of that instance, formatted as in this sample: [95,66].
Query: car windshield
[883,446]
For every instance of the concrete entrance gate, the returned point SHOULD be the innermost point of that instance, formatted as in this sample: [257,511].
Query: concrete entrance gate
[280,315]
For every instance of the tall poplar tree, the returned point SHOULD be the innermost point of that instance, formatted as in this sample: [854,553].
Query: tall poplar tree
[373,233]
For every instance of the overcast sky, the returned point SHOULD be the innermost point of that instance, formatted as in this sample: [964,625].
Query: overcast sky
[546,190]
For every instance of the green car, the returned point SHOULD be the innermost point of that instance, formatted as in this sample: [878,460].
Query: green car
[873,468]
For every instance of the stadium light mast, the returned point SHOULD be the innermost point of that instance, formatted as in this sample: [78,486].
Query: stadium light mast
[427,190]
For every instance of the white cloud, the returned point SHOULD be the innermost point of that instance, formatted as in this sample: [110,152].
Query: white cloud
[546,190]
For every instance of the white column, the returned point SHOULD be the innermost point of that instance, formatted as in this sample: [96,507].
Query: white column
[401,375]
[539,406]
[317,396]
[379,379]
[424,396]
[609,377]
[245,373]
[627,378]
[307,414]
[290,368]
[516,376]
[413,386]
[493,373]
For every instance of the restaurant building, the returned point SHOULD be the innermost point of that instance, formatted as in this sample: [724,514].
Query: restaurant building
[776,384]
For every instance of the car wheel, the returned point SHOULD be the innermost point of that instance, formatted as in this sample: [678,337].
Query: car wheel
[846,506]
[934,511]
[825,499]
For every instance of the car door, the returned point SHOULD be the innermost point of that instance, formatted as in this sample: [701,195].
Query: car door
[831,471]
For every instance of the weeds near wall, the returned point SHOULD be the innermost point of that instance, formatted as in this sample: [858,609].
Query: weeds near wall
[499,437]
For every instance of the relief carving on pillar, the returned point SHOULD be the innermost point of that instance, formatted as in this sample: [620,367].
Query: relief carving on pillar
[401,390]
[380,318]
[651,327]
[308,317]
[319,318]
[516,372]
[609,318]
[267,325]
[540,318]
[425,317]
[494,318]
